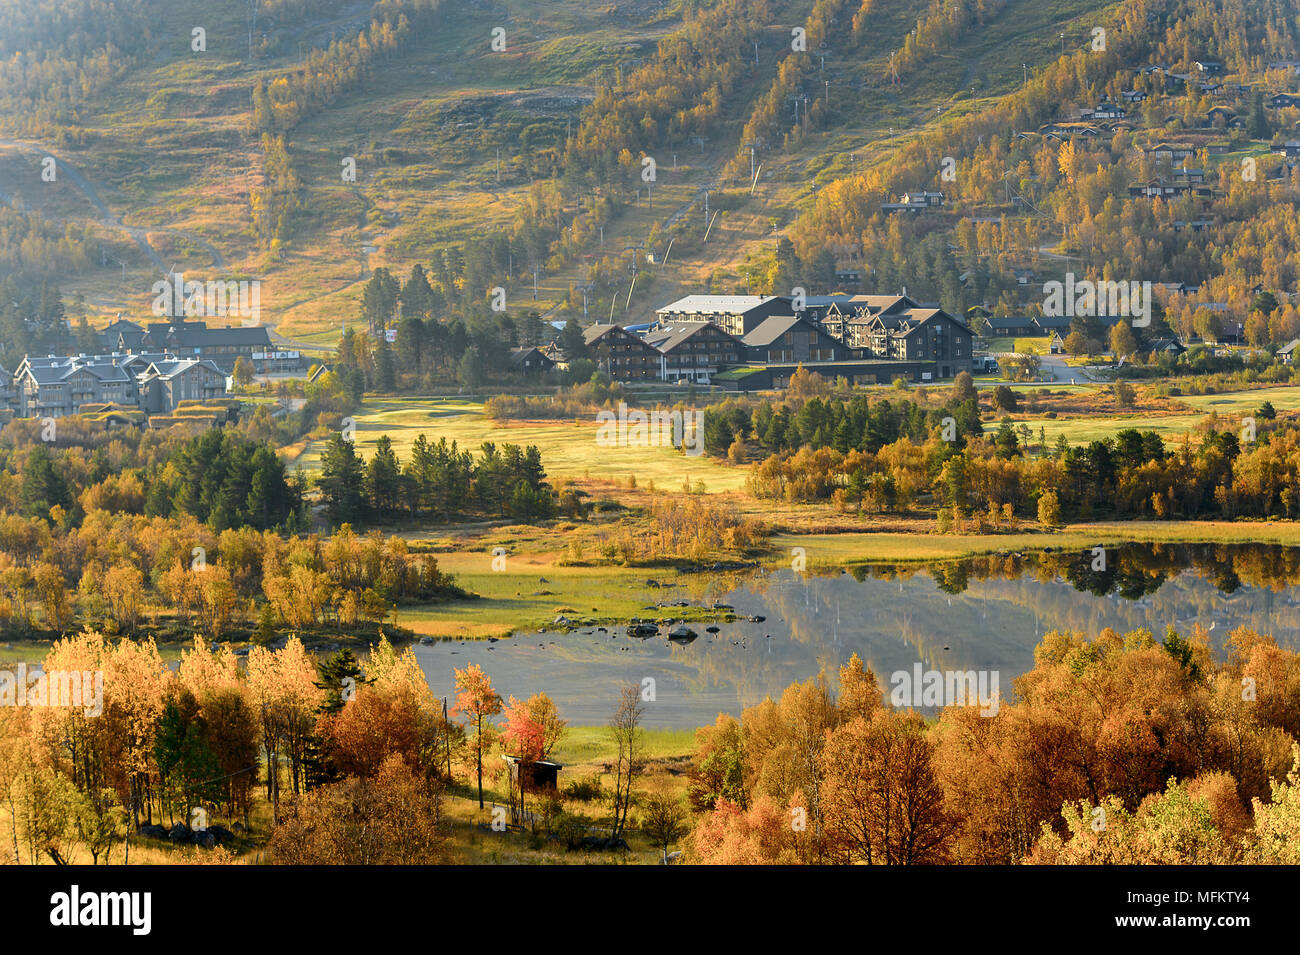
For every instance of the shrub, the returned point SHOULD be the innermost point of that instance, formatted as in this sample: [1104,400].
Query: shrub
[1049,509]
[584,790]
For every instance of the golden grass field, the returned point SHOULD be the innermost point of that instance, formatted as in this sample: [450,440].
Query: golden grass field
[568,447]
[1230,406]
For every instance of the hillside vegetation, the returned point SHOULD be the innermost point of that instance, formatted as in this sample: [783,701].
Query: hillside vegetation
[525,167]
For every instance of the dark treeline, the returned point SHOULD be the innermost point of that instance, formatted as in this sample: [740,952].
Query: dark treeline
[1131,475]
[439,482]
[857,424]
[221,478]
[436,339]
[32,315]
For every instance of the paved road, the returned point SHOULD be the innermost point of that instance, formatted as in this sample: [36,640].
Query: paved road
[1055,365]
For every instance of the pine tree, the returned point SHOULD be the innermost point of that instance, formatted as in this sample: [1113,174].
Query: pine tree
[384,478]
[43,484]
[385,373]
[572,341]
[341,482]
[334,672]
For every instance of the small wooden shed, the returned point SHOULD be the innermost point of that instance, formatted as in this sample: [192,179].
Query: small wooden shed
[540,774]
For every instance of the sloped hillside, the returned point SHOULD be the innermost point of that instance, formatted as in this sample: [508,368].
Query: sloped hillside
[617,154]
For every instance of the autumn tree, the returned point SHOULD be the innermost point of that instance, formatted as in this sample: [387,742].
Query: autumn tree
[1123,342]
[1276,838]
[476,699]
[963,387]
[532,730]
[663,820]
[783,744]
[1006,399]
[390,818]
[718,771]
[283,692]
[1173,828]
[881,802]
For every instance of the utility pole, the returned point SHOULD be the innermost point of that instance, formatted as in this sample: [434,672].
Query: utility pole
[446,725]
[753,144]
[633,249]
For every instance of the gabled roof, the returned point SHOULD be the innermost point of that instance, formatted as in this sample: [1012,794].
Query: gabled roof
[834,299]
[1056,322]
[920,316]
[170,368]
[51,369]
[199,335]
[900,324]
[884,303]
[519,355]
[120,324]
[773,327]
[667,337]
[594,333]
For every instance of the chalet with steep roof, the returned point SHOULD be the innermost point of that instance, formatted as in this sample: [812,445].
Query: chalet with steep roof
[694,351]
[621,354]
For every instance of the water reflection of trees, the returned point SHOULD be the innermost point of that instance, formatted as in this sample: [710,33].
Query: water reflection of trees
[985,612]
[1131,571]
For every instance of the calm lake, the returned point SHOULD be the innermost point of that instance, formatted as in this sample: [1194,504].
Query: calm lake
[975,614]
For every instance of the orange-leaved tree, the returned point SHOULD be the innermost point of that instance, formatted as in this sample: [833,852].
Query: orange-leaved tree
[476,699]
[533,728]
